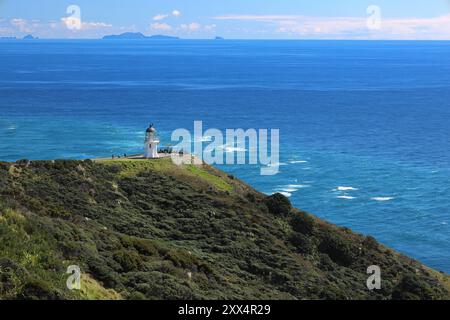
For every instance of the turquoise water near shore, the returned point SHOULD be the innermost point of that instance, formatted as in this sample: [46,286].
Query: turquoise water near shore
[365,126]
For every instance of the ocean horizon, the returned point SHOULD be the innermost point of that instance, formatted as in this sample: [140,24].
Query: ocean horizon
[364,125]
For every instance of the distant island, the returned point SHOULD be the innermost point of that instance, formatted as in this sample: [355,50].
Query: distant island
[219,38]
[29,37]
[138,36]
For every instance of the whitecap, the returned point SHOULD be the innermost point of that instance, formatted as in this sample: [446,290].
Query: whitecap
[346,197]
[342,188]
[286,194]
[204,139]
[382,198]
[298,186]
[229,148]
[277,164]
[234,149]
[298,161]
[289,189]
[224,146]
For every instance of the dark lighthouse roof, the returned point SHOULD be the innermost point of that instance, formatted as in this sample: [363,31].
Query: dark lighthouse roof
[151,128]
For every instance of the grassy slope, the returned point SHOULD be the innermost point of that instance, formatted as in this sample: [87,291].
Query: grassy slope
[151,230]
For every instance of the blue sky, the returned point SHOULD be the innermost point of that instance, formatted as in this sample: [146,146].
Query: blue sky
[252,19]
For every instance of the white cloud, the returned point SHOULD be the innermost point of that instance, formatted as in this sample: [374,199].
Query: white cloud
[18,27]
[210,27]
[73,21]
[95,25]
[352,27]
[18,21]
[132,28]
[160,17]
[160,26]
[21,24]
[194,26]
[53,25]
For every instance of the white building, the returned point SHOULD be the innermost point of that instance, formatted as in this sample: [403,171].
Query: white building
[151,143]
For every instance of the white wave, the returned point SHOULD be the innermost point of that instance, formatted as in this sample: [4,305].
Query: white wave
[342,188]
[346,197]
[204,139]
[298,161]
[287,189]
[234,149]
[382,198]
[229,148]
[298,186]
[277,164]
[291,188]
[286,194]
[224,146]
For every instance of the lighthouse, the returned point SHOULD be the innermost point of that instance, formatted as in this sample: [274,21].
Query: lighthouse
[151,143]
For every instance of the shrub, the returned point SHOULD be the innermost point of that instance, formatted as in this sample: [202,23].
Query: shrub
[181,258]
[102,272]
[302,243]
[302,222]
[71,248]
[370,243]
[412,288]
[128,260]
[251,197]
[325,263]
[280,278]
[184,259]
[36,289]
[23,162]
[331,291]
[10,275]
[136,295]
[278,204]
[145,247]
[337,249]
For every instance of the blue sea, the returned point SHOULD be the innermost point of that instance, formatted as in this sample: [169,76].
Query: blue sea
[364,126]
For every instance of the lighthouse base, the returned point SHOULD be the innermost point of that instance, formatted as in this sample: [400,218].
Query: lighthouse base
[151,155]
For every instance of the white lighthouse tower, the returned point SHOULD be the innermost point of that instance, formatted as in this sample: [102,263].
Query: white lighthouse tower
[151,143]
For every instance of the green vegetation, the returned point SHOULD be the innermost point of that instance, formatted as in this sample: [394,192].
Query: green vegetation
[215,180]
[143,229]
